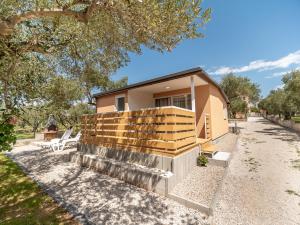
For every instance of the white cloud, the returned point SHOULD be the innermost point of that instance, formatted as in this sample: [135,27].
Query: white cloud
[279,74]
[280,86]
[260,65]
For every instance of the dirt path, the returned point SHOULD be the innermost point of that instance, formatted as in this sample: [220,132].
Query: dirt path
[263,182]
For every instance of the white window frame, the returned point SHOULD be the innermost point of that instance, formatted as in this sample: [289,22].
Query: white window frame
[225,111]
[116,102]
[169,100]
[174,96]
[179,96]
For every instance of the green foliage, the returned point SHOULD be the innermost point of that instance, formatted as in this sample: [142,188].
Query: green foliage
[7,134]
[254,109]
[33,115]
[237,105]
[22,201]
[240,92]
[286,101]
[72,116]
[7,137]
[202,160]
[24,136]
[235,86]
[62,92]
[291,83]
[296,119]
[113,26]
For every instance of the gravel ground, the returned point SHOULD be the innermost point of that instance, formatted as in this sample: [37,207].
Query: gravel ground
[98,198]
[262,185]
[200,185]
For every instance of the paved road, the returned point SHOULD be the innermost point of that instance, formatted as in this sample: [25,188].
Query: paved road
[263,182]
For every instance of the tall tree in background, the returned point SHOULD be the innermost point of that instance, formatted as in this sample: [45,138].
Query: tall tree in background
[286,101]
[240,91]
[291,83]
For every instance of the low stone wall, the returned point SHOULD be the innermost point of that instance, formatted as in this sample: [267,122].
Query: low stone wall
[137,168]
[285,123]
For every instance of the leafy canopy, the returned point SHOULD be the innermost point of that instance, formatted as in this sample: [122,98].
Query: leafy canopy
[55,53]
[285,101]
[240,91]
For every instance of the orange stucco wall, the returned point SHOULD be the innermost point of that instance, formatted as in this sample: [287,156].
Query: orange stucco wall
[218,105]
[107,103]
[202,108]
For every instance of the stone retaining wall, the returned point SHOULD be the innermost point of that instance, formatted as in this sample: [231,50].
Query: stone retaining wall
[286,123]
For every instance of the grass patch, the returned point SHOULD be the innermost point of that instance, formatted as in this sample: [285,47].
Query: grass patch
[296,119]
[23,202]
[24,135]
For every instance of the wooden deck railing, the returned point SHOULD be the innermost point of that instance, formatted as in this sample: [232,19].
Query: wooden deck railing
[164,131]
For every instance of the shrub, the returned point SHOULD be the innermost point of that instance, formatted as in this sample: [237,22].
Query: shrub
[7,134]
[202,160]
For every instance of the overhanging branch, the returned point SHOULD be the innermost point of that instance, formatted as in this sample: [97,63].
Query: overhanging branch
[7,26]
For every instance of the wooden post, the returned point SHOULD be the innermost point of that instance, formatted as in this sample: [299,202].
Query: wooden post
[193,94]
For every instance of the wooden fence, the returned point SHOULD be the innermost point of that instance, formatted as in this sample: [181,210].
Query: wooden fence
[164,131]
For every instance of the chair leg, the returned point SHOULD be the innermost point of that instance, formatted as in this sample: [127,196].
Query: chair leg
[53,147]
[62,146]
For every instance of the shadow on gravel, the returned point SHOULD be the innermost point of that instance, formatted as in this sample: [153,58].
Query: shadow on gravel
[281,133]
[99,198]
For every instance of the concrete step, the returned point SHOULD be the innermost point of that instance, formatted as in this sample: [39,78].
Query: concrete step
[220,159]
[148,178]
[138,158]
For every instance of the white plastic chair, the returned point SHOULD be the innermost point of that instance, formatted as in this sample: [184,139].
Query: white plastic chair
[49,144]
[59,146]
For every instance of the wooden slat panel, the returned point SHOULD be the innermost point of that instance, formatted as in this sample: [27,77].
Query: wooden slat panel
[144,149]
[136,142]
[152,111]
[149,127]
[142,135]
[183,112]
[160,130]
[165,119]
[186,141]
[181,135]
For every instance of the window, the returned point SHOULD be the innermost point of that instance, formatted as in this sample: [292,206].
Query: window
[179,101]
[160,102]
[182,101]
[120,103]
[189,101]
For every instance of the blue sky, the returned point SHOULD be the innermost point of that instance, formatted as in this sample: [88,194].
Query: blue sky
[259,39]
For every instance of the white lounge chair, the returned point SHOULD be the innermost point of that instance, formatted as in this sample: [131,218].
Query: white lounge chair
[49,144]
[59,146]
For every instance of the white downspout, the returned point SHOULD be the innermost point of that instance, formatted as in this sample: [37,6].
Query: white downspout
[193,94]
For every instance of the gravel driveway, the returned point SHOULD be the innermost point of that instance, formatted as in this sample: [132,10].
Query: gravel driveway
[100,199]
[262,185]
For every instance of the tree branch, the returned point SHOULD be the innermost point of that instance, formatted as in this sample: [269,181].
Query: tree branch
[7,27]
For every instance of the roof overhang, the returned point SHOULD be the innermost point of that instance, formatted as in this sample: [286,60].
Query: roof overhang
[194,71]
